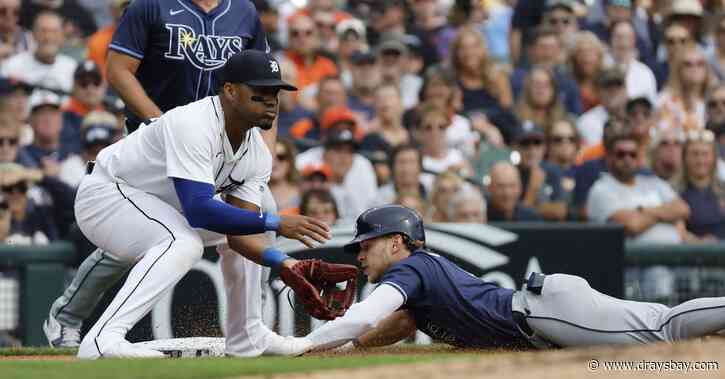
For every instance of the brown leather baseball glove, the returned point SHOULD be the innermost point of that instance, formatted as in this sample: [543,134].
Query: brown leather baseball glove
[313,281]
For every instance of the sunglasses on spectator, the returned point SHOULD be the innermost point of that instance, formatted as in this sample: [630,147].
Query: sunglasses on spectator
[85,83]
[19,187]
[670,142]
[7,11]
[562,139]
[701,136]
[559,20]
[639,112]
[677,41]
[430,127]
[531,142]
[8,141]
[621,154]
[326,25]
[713,103]
[300,32]
[695,63]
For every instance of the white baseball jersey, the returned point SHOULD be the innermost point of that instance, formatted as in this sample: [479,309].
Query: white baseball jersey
[129,208]
[190,142]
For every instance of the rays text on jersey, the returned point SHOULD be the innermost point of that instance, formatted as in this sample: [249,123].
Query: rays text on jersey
[205,52]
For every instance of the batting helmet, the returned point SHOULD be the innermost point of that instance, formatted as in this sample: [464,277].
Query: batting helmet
[388,219]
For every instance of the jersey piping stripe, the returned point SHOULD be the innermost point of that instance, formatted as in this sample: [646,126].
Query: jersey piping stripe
[80,285]
[397,287]
[214,107]
[203,31]
[171,243]
[213,31]
[625,331]
[124,50]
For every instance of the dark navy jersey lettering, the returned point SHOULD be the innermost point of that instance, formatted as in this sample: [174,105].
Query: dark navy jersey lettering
[180,46]
[453,306]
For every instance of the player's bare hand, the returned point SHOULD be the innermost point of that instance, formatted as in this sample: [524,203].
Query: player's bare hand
[304,229]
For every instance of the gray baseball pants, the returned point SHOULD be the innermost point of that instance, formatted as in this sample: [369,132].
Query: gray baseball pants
[568,312]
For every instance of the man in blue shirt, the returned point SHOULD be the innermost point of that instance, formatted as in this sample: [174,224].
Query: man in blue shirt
[422,290]
[165,53]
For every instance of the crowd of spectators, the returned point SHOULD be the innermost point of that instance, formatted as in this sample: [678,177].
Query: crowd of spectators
[606,111]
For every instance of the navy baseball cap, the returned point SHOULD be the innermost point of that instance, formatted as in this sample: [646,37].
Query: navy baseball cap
[255,69]
[528,131]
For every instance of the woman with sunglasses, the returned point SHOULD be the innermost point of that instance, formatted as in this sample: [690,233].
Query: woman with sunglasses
[540,100]
[700,188]
[562,148]
[31,221]
[441,90]
[437,155]
[285,180]
[9,139]
[585,61]
[681,104]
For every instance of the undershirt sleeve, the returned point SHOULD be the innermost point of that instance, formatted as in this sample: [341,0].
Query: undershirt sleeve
[360,318]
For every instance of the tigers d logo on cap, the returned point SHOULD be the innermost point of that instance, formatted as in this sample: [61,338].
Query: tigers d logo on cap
[253,68]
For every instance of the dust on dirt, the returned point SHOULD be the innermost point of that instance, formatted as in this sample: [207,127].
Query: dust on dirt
[553,364]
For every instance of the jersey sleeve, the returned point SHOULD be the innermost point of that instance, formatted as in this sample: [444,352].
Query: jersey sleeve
[132,33]
[189,148]
[405,278]
[253,187]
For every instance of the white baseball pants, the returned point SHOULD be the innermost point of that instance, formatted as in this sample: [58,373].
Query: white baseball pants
[138,228]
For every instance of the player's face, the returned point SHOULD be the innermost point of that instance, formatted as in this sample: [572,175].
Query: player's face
[375,257]
[260,113]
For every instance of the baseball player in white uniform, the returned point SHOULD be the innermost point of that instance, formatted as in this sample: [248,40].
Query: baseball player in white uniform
[149,200]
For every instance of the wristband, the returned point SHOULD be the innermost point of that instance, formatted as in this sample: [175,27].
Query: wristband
[271,222]
[273,258]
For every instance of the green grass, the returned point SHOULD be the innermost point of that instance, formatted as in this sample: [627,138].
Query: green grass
[209,368]
[16,351]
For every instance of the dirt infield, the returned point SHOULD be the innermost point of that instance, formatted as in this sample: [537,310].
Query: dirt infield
[645,362]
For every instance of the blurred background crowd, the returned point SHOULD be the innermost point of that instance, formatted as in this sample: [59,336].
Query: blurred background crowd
[466,110]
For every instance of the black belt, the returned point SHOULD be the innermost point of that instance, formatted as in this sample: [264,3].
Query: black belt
[520,320]
[535,284]
[89,167]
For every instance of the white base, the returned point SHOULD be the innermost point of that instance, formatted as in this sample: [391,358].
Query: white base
[192,347]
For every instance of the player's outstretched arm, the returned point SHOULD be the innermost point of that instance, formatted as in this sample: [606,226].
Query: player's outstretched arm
[251,246]
[203,211]
[396,327]
[361,318]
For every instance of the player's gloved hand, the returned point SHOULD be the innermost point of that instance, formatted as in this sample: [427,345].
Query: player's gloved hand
[304,229]
[314,284]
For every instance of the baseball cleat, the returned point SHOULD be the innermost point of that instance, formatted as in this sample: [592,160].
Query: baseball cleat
[121,349]
[59,335]
[287,346]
